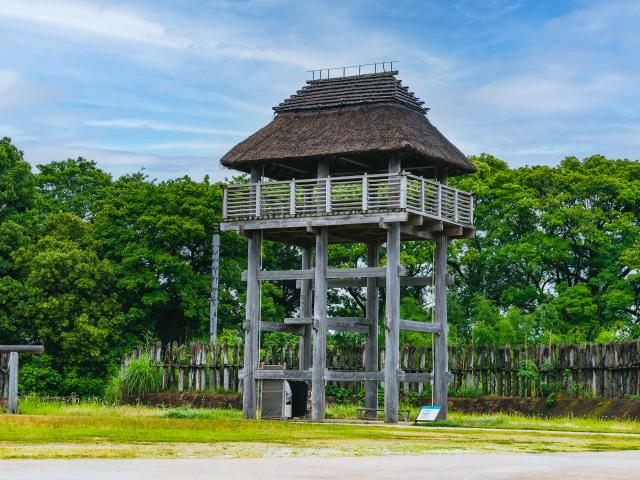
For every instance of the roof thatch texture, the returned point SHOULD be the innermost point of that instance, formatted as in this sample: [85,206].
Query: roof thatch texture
[361,119]
[351,91]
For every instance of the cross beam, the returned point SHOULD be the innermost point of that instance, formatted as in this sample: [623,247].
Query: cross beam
[309,274]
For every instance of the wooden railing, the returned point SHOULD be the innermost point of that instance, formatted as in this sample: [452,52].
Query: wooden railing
[607,371]
[348,195]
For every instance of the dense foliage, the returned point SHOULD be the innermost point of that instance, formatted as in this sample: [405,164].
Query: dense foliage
[91,265]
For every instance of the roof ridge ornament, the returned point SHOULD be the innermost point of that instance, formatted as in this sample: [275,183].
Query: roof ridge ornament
[362,69]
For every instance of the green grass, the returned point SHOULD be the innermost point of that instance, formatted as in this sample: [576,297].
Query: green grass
[53,430]
[509,421]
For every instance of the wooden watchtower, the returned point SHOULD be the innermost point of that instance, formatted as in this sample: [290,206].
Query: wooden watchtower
[348,159]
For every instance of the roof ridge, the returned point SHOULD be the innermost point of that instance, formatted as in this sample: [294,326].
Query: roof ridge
[372,88]
[388,73]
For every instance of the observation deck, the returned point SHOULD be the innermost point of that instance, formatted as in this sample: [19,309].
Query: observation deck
[358,206]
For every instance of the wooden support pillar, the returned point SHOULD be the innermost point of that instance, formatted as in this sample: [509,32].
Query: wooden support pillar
[306,310]
[441,348]
[13,383]
[392,326]
[252,317]
[319,326]
[371,341]
[392,315]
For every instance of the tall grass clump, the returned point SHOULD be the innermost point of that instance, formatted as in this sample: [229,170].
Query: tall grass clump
[138,377]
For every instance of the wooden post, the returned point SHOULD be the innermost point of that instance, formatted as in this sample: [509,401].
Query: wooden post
[306,310]
[252,315]
[440,380]
[392,326]
[392,315]
[371,341]
[319,327]
[215,276]
[13,382]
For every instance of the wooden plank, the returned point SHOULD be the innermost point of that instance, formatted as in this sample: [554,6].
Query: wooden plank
[363,272]
[353,376]
[309,274]
[281,327]
[12,401]
[425,327]
[280,275]
[437,226]
[298,321]
[454,231]
[282,375]
[416,232]
[312,221]
[22,348]
[347,326]
[426,281]
[422,377]
[320,327]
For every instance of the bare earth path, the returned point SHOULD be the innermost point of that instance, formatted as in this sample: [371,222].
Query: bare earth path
[567,466]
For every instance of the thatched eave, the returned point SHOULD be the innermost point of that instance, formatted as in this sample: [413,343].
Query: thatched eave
[360,136]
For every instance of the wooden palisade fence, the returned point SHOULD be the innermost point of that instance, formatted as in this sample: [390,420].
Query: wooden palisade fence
[607,371]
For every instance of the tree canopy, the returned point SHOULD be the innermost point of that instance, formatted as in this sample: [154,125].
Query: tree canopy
[91,265]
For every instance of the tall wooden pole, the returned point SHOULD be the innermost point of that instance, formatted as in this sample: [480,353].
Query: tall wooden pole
[306,310]
[215,276]
[13,383]
[371,342]
[319,327]
[252,317]
[320,312]
[441,350]
[392,316]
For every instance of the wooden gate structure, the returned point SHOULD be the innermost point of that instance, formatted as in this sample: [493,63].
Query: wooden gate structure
[13,351]
[349,159]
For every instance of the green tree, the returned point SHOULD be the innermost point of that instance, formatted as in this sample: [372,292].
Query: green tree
[17,184]
[72,186]
[560,235]
[158,236]
[63,296]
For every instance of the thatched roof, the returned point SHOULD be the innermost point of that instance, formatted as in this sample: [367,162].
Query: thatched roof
[357,122]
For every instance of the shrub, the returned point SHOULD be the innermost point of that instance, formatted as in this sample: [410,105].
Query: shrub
[82,386]
[464,392]
[138,377]
[528,371]
[341,394]
[38,377]
[550,389]
[113,391]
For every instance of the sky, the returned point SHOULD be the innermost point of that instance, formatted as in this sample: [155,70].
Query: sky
[171,86]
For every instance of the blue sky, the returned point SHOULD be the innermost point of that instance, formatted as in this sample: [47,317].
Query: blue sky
[171,86]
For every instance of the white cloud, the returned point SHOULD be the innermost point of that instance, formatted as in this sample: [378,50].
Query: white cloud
[219,147]
[604,22]
[95,19]
[549,92]
[8,80]
[161,126]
